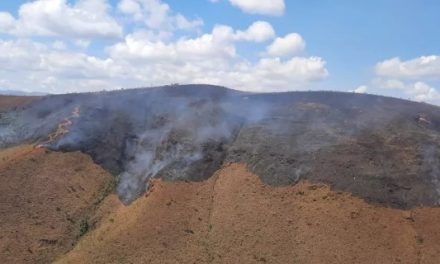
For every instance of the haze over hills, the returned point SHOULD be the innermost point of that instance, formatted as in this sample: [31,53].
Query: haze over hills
[20,93]
[369,161]
[381,149]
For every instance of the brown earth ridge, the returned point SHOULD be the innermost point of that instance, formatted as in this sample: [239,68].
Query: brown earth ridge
[47,202]
[230,218]
[234,218]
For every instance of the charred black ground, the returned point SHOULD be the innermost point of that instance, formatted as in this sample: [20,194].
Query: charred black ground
[382,149]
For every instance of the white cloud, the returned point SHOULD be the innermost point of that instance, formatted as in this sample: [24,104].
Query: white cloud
[259,31]
[139,61]
[85,19]
[360,89]
[4,84]
[158,51]
[59,45]
[262,7]
[275,74]
[157,15]
[390,84]
[418,91]
[131,7]
[28,65]
[410,77]
[424,93]
[216,45]
[418,68]
[7,22]
[211,58]
[289,45]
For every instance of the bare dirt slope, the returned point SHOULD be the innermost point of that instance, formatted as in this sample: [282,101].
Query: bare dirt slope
[47,200]
[7,102]
[234,218]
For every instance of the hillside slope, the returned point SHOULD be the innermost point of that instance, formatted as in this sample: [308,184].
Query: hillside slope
[47,201]
[384,150]
[8,101]
[211,175]
[234,218]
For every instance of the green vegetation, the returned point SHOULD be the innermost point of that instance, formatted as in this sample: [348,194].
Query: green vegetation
[83,227]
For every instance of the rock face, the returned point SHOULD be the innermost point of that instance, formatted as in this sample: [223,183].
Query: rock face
[381,149]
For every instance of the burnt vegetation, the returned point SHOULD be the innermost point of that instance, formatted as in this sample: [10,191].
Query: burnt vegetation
[384,150]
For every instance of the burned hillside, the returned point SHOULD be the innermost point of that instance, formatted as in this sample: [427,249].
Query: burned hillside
[381,149]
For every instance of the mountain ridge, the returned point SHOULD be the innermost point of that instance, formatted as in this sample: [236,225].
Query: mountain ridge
[381,149]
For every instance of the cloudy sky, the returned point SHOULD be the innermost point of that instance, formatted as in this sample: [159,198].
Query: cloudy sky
[389,47]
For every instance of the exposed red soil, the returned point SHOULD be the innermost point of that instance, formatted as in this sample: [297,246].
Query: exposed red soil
[8,102]
[47,200]
[234,218]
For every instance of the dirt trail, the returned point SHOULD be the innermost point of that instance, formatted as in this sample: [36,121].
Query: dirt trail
[234,218]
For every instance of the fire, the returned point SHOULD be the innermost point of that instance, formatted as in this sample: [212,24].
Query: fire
[62,128]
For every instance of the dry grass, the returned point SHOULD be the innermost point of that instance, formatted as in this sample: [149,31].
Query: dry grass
[8,102]
[234,218]
[45,197]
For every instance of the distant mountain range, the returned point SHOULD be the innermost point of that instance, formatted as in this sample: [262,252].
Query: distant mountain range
[20,93]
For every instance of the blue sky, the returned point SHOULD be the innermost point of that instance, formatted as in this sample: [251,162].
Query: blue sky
[388,47]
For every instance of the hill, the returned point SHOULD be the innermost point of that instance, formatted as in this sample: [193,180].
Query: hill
[381,149]
[47,202]
[209,174]
[234,218]
[5,92]
[8,102]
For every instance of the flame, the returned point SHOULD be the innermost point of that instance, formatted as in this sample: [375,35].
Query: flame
[62,128]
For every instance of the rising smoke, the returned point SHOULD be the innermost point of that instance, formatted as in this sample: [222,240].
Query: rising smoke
[188,132]
[139,134]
